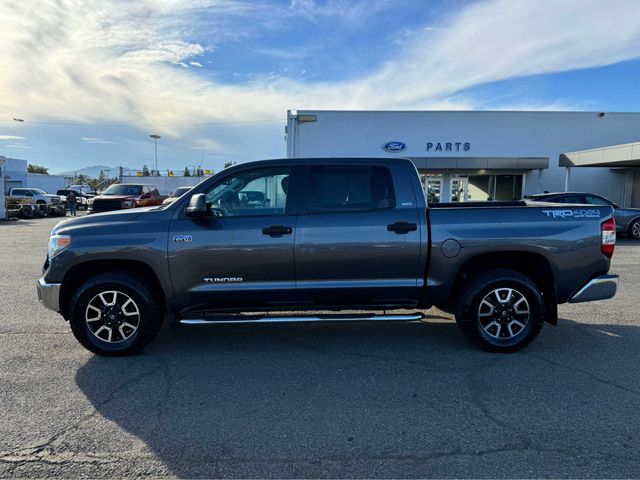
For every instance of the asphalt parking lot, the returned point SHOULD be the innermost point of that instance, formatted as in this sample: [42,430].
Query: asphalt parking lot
[381,400]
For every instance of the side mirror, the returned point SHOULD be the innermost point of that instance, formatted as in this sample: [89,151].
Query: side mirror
[615,205]
[198,207]
[145,195]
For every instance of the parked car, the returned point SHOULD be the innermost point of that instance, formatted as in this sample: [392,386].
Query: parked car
[121,196]
[43,203]
[627,219]
[176,194]
[37,196]
[86,189]
[337,234]
[82,199]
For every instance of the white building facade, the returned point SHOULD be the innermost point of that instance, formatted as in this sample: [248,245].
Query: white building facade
[479,155]
[15,175]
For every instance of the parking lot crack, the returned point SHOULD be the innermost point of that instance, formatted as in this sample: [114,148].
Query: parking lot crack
[589,374]
[47,447]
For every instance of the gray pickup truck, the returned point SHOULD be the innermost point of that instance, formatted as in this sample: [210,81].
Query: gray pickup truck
[333,235]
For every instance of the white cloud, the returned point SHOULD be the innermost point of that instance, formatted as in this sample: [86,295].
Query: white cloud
[120,62]
[195,64]
[17,145]
[96,140]
[11,137]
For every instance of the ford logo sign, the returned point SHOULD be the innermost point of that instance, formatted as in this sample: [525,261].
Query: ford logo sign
[394,146]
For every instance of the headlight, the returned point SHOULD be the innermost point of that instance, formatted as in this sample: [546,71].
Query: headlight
[57,243]
[90,201]
[127,203]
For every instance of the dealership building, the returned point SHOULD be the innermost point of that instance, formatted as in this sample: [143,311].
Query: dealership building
[485,155]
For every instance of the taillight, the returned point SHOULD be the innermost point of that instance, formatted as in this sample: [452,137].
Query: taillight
[608,228]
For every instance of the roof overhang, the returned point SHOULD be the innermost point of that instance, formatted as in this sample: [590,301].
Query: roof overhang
[625,155]
[481,163]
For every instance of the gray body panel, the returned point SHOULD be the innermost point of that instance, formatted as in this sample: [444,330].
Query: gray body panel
[331,260]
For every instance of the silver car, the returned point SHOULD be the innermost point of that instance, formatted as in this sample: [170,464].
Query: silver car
[627,219]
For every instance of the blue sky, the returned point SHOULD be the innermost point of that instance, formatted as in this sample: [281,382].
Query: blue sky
[215,77]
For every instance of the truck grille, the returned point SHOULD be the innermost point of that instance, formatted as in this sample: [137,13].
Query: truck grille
[55,199]
[106,205]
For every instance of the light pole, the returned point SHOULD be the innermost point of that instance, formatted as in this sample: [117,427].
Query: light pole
[155,143]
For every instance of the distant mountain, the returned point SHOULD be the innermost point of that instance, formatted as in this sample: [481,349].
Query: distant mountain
[92,172]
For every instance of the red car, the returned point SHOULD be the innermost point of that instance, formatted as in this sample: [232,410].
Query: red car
[126,195]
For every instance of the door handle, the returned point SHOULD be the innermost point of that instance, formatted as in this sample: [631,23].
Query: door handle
[277,230]
[402,227]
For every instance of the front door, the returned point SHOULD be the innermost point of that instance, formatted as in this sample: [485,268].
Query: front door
[244,253]
[357,235]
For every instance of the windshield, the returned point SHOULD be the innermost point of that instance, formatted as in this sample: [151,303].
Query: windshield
[37,191]
[122,189]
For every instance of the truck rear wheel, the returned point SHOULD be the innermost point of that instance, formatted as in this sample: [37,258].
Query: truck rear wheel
[634,229]
[114,314]
[501,310]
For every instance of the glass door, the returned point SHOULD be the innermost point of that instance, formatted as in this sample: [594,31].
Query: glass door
[459,189]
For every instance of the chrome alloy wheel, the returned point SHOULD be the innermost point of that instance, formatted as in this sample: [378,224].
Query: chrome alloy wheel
[504,313]
[635,229]
[112,316]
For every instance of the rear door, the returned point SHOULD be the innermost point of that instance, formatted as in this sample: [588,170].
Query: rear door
[358,235]
[243,255]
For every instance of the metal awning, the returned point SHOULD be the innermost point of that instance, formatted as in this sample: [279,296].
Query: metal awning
[480,163]
[625,155]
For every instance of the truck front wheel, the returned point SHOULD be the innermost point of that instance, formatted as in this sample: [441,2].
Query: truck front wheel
[500,310]
[114,314]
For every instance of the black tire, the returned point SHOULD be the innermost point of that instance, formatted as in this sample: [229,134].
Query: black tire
[485,324]
[634,229]
[148,321]
[27,213]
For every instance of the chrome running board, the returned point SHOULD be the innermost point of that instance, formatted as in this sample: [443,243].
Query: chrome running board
[297,319]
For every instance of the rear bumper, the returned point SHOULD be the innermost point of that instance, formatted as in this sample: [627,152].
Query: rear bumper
[598,288]
[49,295]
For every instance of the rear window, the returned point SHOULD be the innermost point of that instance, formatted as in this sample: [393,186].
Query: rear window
[349,188]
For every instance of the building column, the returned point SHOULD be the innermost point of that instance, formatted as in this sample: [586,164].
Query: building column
[445,188]
[3,208]
[539,181]
[567,178]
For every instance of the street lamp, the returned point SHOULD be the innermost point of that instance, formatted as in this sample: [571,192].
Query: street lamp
[155,143]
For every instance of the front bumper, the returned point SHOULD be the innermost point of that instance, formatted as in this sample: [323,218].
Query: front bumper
[49,294]
[598,288]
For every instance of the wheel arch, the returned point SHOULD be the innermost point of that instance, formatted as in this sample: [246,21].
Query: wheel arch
[533,265]
[81,272]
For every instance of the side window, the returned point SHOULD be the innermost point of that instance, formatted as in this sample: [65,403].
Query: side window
[256,192]
[348,188]
[591,200]
[569,199]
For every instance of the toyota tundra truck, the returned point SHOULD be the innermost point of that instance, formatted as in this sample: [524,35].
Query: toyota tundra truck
[330,235]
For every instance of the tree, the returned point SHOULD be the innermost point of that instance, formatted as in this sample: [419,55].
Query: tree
[229,164]
[186,173]
[37,169]
[145,171]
